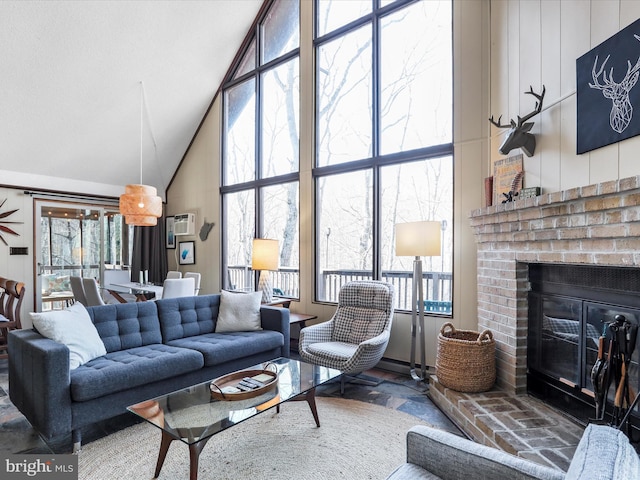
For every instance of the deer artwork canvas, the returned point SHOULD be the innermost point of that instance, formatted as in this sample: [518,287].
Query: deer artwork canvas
[606,91]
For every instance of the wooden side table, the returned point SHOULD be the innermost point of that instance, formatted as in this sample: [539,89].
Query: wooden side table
[299,319]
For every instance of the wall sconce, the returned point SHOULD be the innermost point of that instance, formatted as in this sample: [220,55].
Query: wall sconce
[418,239]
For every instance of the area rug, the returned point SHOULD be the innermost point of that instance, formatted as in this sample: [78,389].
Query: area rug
[356,440]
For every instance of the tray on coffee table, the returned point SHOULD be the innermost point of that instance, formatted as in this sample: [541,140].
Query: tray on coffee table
[220,386]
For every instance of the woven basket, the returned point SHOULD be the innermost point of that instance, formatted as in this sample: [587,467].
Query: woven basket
[466,360]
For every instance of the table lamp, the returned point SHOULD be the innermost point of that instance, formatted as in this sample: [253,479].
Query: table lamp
[265,257]
[417,239]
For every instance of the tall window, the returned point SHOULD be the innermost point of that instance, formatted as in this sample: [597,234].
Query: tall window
[384,152]
[260,167]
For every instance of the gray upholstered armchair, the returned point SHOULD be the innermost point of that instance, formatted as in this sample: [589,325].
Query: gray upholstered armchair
[355,339]
[603,453]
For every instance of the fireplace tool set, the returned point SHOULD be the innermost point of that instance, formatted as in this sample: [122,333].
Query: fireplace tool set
[614,367]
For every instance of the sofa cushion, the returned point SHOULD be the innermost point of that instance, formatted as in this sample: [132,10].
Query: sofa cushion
[187,316]
[125,369]
[73,328]
[604,453]
[219,348]
[239,312]
[127,325]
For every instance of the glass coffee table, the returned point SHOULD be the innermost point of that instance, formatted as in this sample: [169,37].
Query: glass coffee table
[192,415]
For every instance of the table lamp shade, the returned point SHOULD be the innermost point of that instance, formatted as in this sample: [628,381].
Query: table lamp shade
[266,254]
[418,239]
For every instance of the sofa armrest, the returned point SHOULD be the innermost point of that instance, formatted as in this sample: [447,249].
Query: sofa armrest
[39,381]
[277,319]
[449,456]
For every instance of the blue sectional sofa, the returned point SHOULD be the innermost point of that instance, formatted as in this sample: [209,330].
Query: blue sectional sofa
[152,348]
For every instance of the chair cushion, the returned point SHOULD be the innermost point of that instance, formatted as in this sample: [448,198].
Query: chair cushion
[239,312]
[604,453]
[330,354]
[125,369]
[73,328]
[364,310]
[219,348]
[355,325]
[337,350]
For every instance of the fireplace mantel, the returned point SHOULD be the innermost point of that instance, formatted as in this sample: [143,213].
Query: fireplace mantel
[593,225]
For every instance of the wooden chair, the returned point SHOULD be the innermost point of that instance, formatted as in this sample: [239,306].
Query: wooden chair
[11,296]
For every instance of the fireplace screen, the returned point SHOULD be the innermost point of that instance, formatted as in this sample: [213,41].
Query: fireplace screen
[566,324]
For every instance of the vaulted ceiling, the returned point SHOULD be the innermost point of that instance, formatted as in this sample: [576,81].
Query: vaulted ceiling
[70,87]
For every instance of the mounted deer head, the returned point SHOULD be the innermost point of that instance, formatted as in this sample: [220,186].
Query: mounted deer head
[519,136]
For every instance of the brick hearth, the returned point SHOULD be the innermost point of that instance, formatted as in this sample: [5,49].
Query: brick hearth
[518,424]
[593,225]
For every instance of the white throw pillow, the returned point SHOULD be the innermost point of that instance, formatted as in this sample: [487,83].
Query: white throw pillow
[239,312]
[72,327]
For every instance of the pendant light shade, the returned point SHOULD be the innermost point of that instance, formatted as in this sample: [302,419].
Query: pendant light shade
[139,203]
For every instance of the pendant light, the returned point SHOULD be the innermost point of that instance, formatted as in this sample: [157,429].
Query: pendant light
[140,203]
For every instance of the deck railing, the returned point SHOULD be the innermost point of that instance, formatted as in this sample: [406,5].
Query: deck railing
[437,286]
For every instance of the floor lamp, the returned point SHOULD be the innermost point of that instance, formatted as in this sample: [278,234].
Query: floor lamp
[265,257]
[417,239]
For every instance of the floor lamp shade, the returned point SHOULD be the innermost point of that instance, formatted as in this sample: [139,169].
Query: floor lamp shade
[418,239]
[140,205]
[265,257]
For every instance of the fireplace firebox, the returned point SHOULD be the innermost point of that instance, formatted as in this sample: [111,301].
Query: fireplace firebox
[570,308]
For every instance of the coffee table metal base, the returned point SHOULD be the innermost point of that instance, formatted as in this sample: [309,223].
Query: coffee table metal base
[196,448]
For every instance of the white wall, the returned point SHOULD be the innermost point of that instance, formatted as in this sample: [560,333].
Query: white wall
[537,42]
[196,186]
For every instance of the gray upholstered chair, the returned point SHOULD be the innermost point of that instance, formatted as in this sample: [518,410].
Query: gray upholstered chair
[171,274]
[92,293]
[355,339]
[78,290]
[603,452]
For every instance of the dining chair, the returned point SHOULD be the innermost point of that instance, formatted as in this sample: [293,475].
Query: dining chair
[117,277]
[78,290]
[178,287]
[92,292]
[196,277]
[11,295]
[171,274]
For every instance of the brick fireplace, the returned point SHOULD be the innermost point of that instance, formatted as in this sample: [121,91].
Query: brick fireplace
[592,225]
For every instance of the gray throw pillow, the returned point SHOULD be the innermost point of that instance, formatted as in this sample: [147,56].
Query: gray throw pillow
[239,312]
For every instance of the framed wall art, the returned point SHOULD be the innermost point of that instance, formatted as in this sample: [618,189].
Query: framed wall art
[608,109]
[187,253]
[170,232]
